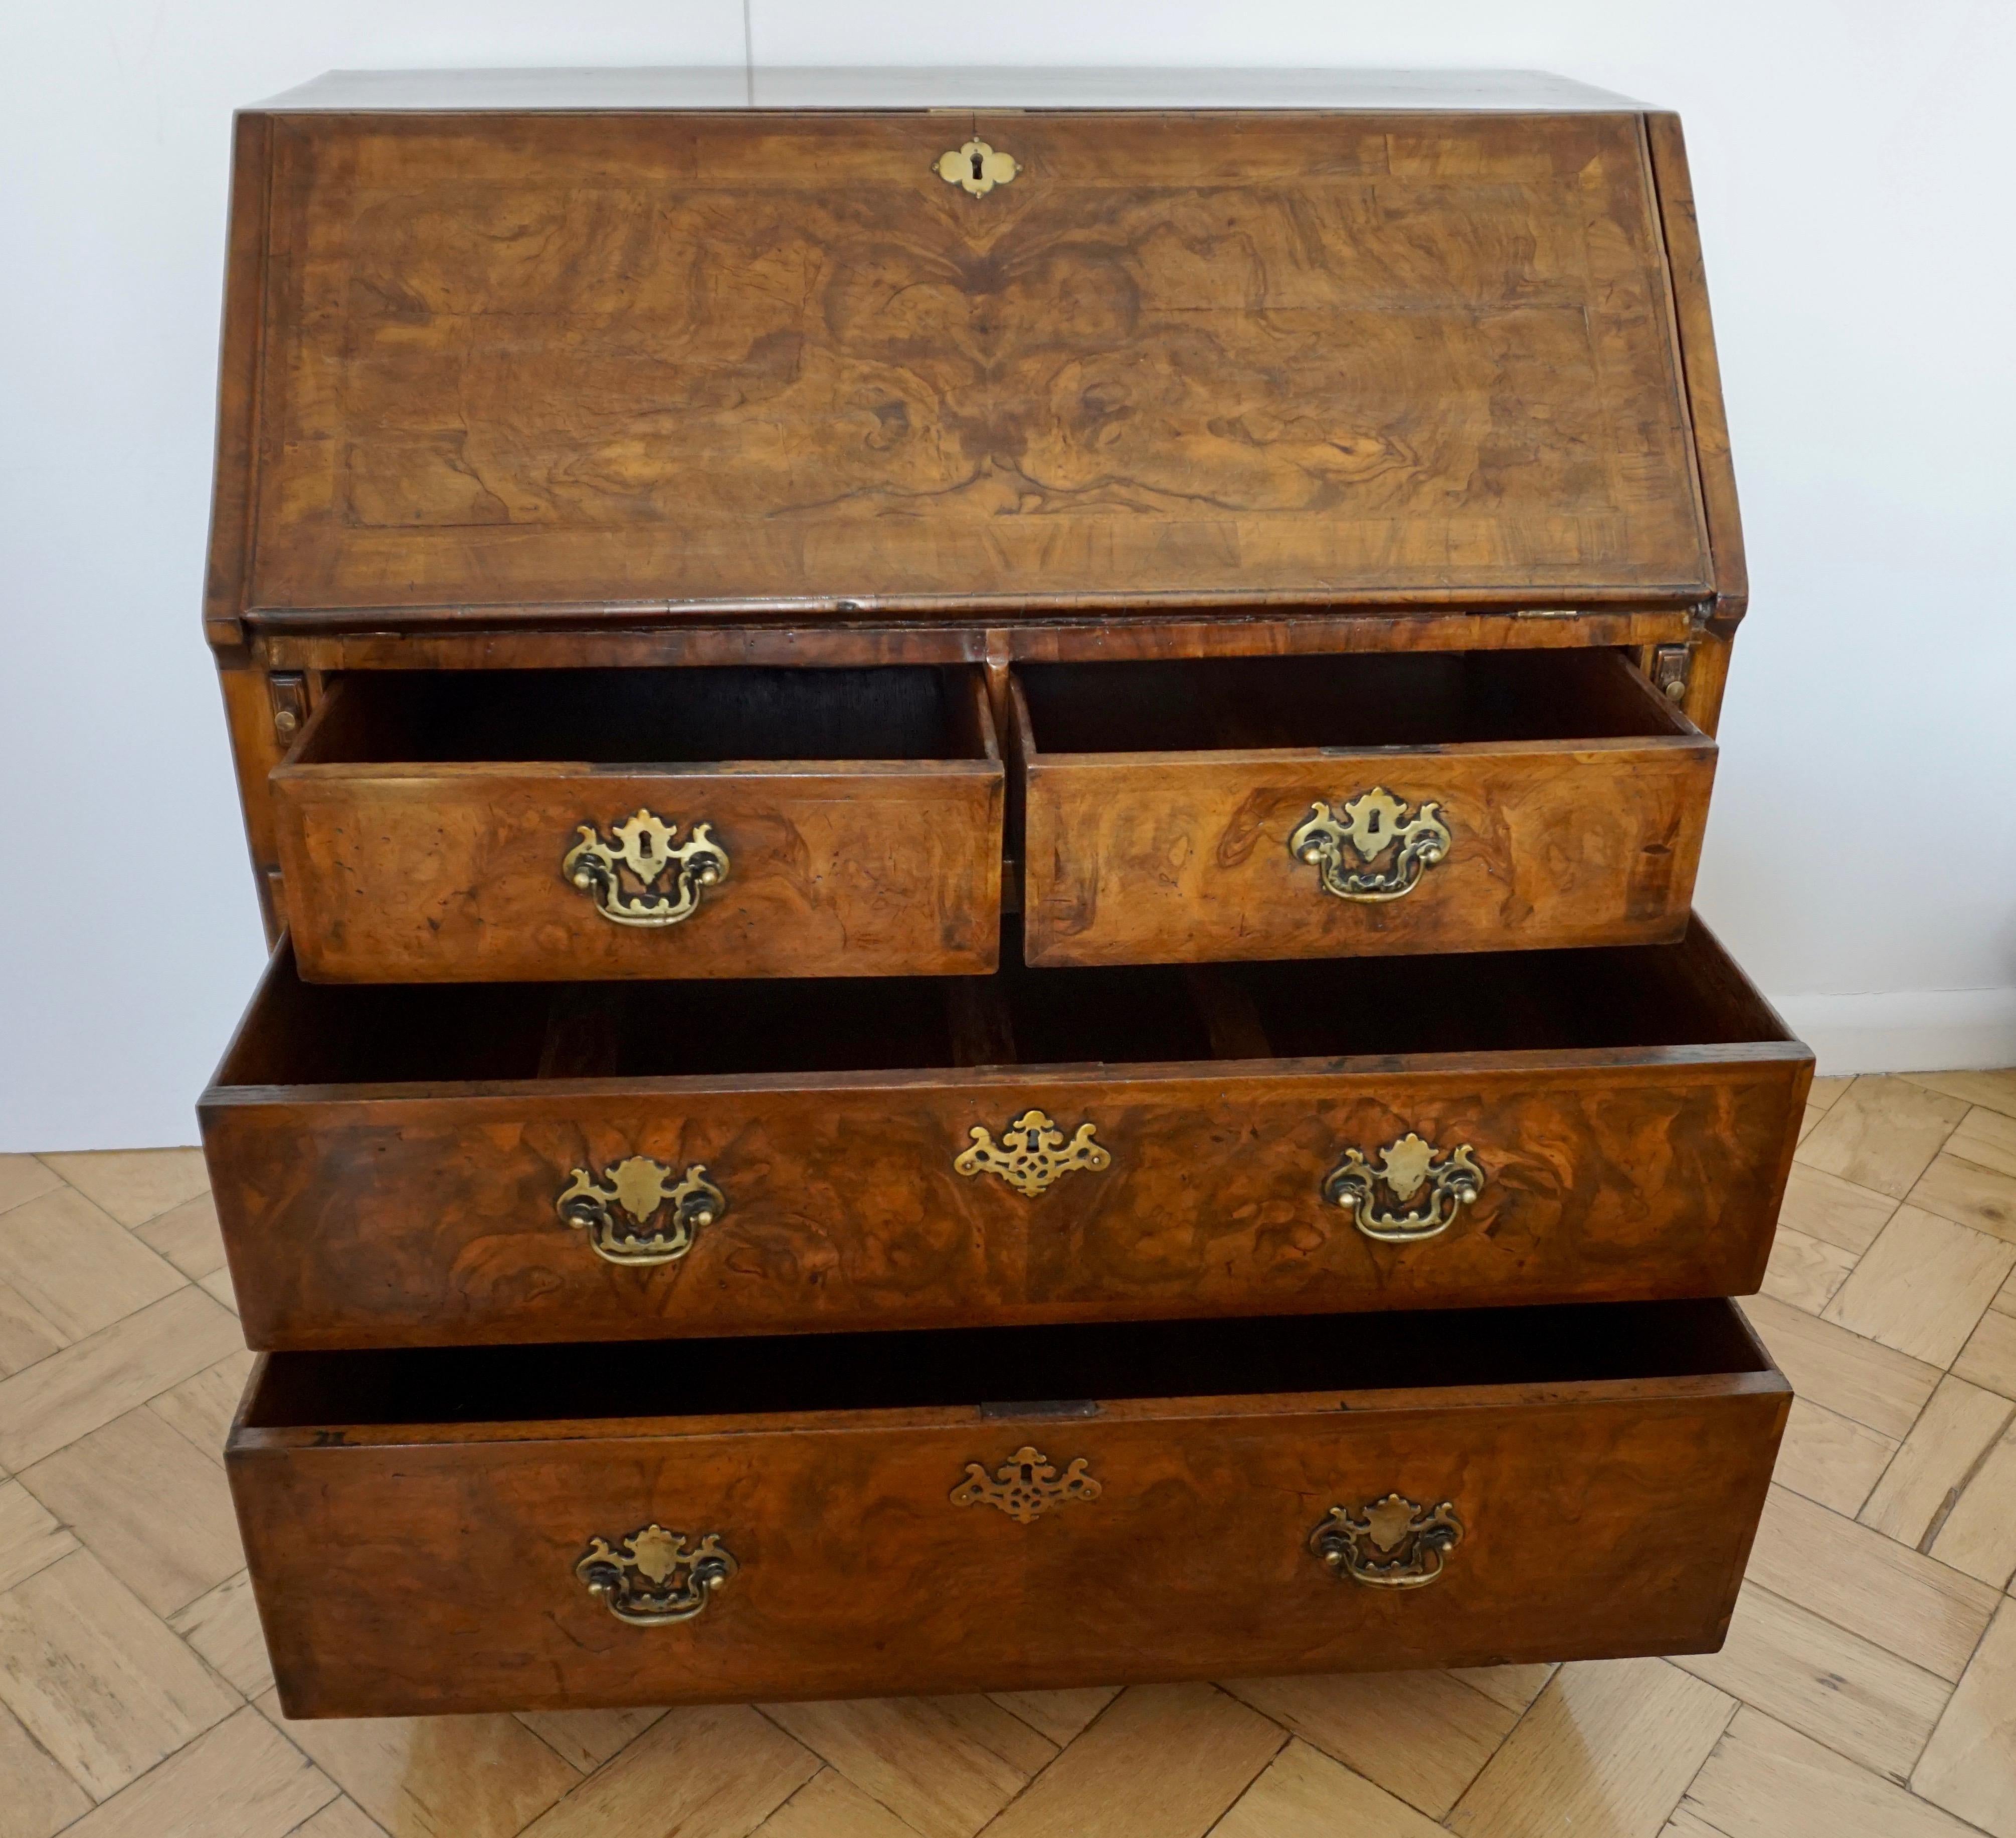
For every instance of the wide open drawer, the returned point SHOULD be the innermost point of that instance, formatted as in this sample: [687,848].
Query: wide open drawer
[1297,807]
[490,824]
[444,1165]
[577,1526]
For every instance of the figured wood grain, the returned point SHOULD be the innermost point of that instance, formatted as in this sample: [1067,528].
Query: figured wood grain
[777,361]
[368,1215]
[451,871]
[1192,1563]
[1132,856]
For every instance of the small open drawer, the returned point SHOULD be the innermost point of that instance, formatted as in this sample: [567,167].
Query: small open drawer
[490,825]
[1223,809]
[430,1165]
[576,1525]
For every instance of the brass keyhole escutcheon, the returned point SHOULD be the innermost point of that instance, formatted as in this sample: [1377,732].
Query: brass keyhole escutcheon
[1032,1153]
[1027,1485]
[976,168]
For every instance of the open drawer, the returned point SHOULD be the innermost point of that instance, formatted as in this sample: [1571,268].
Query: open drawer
[579,1526]
[491,825]
[441,1165]
[1296,806]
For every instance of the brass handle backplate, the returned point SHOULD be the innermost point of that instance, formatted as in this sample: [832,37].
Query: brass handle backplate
[1446,1183]
[1389,1544]
[653,1576]
[663,1210]
[976,168]
[1032,1153]
[1350,848]
[1026,1485]
[638,876]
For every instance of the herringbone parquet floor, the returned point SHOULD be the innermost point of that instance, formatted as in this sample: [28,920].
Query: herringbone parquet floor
[1868,1689]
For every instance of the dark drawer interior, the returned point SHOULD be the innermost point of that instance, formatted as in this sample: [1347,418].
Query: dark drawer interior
[647,717]
[1014,1371]
[1409,699]
[1688,994]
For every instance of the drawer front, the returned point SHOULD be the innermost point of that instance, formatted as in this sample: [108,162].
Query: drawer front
[556,1214]
[1222,857]
[479,873]
[920,1555]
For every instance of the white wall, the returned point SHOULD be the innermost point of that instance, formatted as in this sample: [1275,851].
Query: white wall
[1851,162]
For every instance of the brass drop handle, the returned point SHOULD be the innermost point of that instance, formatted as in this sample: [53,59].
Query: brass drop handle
[639,1212]
[1387,1544]
[1349,847]
[653,1577]
[1446,1182]
[1031,1154]
[639,875]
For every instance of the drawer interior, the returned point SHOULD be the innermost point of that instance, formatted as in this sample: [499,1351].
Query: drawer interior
[1688,994]
[1386,699]
[1013,1370]
[648,716]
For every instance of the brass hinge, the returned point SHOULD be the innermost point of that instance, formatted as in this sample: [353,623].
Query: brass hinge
[1547,612]
[1671,666]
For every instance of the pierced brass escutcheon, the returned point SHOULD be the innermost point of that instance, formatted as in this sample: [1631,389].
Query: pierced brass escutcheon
[1032,1153]
[640,849]
[1408,1166]
[1025,1486]
[976,167]
[1390,1544]
[653,1576]
[640,1190]
[1374,825]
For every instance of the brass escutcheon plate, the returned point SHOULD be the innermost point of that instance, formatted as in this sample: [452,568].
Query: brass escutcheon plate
[1031,1154]
[1025,1486]
[976,168]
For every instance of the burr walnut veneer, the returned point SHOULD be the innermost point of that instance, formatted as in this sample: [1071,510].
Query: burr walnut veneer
[978,812]
[415,1520]
[390,1165]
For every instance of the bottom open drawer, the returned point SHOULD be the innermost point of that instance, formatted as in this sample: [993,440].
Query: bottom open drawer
[554,1527]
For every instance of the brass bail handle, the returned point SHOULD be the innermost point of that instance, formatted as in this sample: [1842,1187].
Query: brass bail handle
[1371,848]
[639,874]
[652,1578]
[1431,1187]
[639,1210]
[1387,1544]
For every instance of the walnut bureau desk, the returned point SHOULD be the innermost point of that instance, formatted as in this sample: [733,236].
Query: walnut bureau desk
[978,808]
